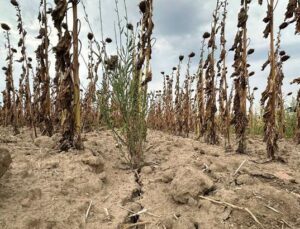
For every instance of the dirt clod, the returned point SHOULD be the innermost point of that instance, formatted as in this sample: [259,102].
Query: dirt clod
[245,179]
[5,160]
[96,163]
[44,142]
[146,170]
[168,176]
[189,183]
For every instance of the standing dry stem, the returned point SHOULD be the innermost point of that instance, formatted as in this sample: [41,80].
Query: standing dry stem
[269,96]
[211,108]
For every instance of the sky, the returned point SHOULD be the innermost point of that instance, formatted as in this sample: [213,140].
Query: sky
[179,25]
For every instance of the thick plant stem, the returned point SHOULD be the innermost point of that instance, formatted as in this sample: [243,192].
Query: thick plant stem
[270,129]
[47,102]
[242,146]
[25,74]
[11,88]
[76,112]
[211,108]
[298,119]
[200,117]
[272,140]
[178,110]
[223,94]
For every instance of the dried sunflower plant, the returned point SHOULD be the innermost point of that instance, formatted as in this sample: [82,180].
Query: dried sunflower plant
[9,94]
[224,110]
[42,73]
[241,81]
[292,16]
[269,98]
[67,75]
[24,82]
[211,135]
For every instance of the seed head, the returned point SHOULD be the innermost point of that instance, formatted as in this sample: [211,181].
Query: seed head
[14,3]
[49,11]
[5,27]
[282,53]
[64,25]
[206,35]
[108,40]
[181,57]
[255,89]
[129,26]
[283,25]
[90,36]
[192,54]
[250,51]
[251,74]
[174,68]
[266,20]
[143,6]
[285,58]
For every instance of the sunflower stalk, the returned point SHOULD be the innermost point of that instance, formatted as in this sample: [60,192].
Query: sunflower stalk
[10,105]
[223,94]
[269,97]
[211,136]
[24,85]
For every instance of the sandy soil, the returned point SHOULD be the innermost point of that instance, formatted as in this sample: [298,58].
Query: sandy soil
[185,184]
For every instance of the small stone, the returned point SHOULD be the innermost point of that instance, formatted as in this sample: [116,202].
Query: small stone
[192,202]
[168,222]
[56,137]
[25,173]
[226,214]
[64,191]
[135,207]
[25,203]
[250,141]
[52,165]
[96,163]
[35,194]
[103,177]
[118,146]
[51,224]
[147,170]
[168,176]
